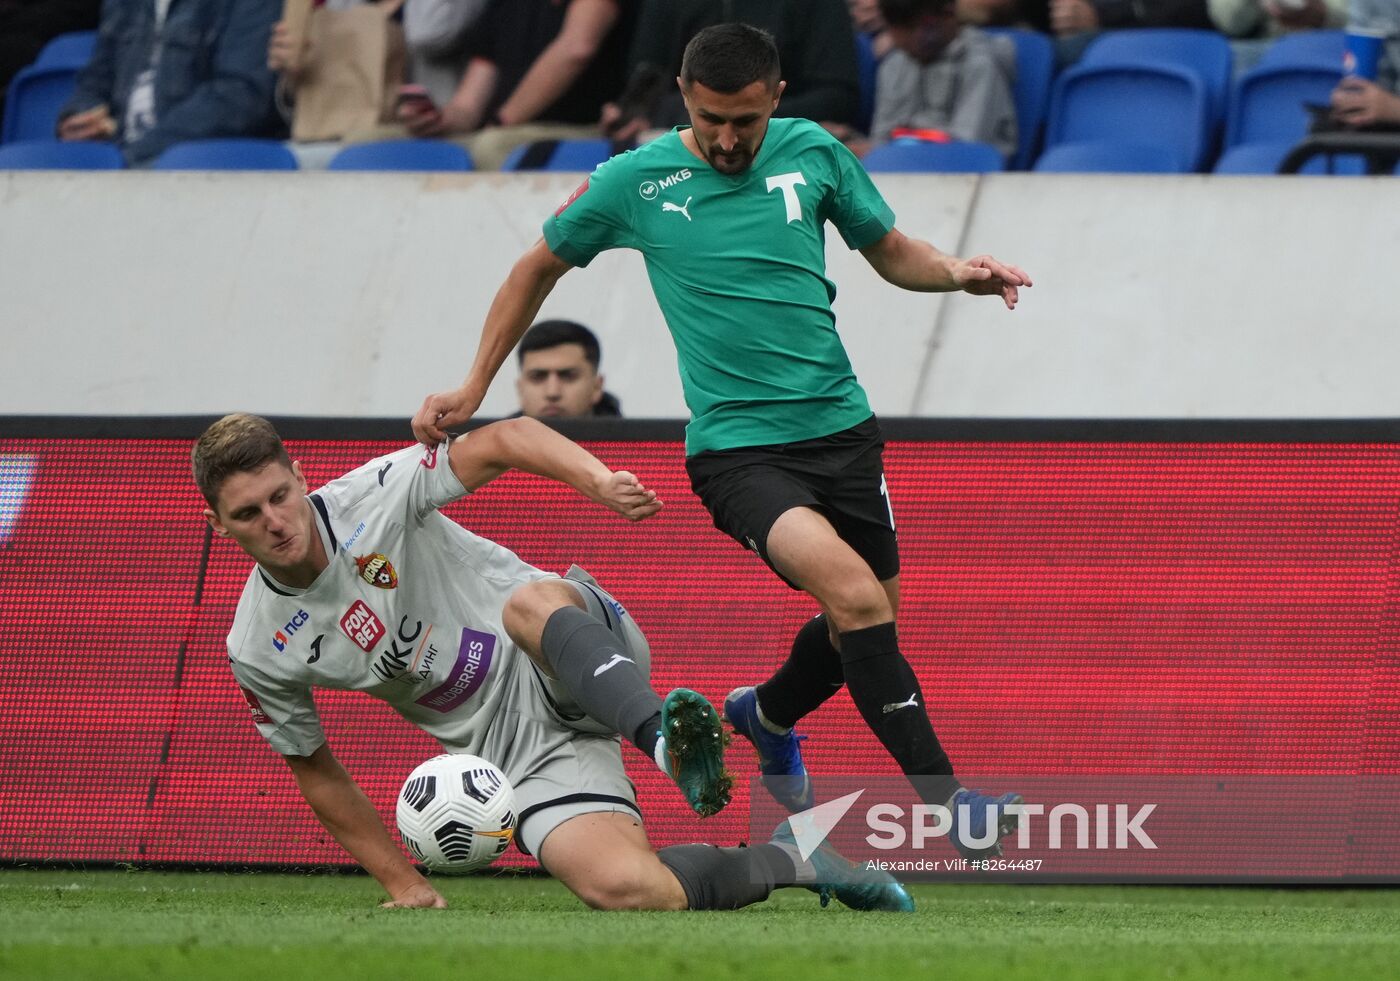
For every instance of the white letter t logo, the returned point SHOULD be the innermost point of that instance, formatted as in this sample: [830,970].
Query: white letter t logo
[789,182]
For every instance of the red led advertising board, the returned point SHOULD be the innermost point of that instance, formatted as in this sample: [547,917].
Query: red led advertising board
[1088,607]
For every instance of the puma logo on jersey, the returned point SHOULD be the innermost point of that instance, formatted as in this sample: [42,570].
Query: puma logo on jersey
[913,702]
[616,660]
[680,208]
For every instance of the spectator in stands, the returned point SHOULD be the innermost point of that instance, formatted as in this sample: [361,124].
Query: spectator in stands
[1239,19]
[438,33]
[944,77]
[866,19]
[816,47]
[168,72]
[536,70]
[559,376]
[1077,22]
[27,25]
[1356,102]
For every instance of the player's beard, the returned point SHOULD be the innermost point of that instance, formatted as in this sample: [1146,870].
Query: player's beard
[736,161]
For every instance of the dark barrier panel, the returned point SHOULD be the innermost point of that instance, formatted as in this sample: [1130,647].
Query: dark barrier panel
[1077,607]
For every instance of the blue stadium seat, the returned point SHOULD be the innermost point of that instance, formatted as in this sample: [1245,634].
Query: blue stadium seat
[1265,158]
[1267,102]
[73,50]
[233,154]
[57,155]
[1206,53]
[930,157]
[1162,104]
[415,155]
[566,155]
[1035,76]
[1106,156]
[35,96]
[1309,49]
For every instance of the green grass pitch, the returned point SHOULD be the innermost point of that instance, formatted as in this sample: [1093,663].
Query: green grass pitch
[208,926]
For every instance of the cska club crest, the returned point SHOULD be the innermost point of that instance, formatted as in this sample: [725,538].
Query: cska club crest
[377,570]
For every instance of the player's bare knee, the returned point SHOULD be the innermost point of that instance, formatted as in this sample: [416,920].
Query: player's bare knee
[643,883]
[855,603]
[530,606]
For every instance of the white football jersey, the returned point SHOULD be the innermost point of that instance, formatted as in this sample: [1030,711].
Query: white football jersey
[408,610]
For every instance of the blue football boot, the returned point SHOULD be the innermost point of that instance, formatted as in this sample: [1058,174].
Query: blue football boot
[779,756]
[979,808]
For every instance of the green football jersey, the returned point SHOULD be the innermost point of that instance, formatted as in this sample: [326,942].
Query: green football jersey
[738,265]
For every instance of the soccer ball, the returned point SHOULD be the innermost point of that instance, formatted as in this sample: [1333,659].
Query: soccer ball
[456,813]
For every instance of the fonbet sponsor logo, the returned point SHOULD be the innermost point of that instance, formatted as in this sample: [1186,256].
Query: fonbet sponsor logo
[428,460]
[1097,827]
[282,638]
[468,673]
[362,626]
[377,570]
[255,707]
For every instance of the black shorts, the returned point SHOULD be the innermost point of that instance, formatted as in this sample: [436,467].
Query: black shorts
[842,476]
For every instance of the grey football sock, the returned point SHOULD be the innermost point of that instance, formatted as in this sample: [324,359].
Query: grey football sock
[726,878]
[606,683]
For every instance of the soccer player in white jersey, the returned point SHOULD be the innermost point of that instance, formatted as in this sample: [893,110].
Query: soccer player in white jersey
[363,585]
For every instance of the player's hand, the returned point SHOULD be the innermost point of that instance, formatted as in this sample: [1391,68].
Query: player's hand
[624,493]
[984,276]
[440,411]
[420,895]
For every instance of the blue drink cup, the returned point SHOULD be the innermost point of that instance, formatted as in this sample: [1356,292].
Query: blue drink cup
[1363,53]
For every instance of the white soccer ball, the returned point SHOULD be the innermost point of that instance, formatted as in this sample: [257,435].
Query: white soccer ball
[456,813]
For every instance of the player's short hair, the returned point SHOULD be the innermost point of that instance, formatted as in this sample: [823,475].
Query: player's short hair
[730,57]
[552,333]
[237,443]
[901,13]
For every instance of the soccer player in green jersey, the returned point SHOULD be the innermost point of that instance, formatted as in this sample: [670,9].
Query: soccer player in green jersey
[782,447]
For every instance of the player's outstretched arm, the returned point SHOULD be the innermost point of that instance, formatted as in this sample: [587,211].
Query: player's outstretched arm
[914,264]
[529,445]
[344,810]
[512,311]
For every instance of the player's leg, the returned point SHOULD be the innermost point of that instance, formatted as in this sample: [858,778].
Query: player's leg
[605,860]
[550,621]
[582,637]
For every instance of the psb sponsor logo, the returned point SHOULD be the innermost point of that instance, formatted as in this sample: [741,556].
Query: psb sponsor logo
[429,459]
[255,707]
[393,660]
[377,570]
[281,639]
[468,673]
[362,626]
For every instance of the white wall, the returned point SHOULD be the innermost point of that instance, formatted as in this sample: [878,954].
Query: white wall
[355,294]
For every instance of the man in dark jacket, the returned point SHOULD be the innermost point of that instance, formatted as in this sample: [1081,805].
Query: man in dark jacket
[166,71]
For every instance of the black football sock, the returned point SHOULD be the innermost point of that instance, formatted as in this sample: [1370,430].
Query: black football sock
[606,683]
[811,674]
[887,693]
[728,878]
